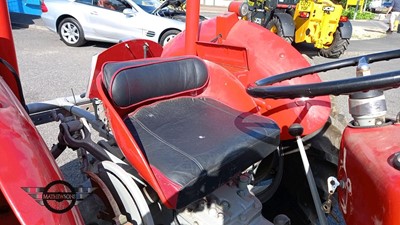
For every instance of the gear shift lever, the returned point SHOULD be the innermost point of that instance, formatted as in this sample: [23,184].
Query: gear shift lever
[296,130]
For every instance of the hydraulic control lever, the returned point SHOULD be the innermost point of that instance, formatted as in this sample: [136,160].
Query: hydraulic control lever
[67,130]
[296,130]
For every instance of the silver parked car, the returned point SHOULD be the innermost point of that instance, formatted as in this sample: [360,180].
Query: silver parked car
[379,6]
[77,21]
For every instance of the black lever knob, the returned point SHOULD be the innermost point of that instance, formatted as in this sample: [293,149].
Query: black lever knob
[296,130]
[396,161]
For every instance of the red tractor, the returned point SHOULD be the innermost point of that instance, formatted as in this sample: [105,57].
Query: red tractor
[208,130]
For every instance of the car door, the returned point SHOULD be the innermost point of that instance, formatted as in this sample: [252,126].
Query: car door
[109,20]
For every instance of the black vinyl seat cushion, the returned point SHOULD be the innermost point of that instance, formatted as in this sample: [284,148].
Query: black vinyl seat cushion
[194,145]
[133,82]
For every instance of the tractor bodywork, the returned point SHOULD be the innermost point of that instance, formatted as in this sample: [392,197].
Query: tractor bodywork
[377,182]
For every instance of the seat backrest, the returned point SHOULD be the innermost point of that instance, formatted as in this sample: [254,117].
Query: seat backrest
[130,83]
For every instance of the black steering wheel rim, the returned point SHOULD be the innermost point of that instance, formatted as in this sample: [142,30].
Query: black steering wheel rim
[338,87]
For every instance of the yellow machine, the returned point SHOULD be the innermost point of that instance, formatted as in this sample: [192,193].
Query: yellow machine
[318,22]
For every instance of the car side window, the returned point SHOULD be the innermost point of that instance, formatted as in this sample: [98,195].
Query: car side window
[117,5]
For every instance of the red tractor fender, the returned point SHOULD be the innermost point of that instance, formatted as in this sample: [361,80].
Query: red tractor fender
[25,162]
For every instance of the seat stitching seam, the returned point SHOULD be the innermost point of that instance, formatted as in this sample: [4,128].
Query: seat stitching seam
[222,110]
[168,144]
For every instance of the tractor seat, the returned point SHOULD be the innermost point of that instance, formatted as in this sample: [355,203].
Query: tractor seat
[193,144]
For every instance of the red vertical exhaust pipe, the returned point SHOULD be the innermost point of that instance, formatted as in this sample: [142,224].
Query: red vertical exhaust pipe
[192,25]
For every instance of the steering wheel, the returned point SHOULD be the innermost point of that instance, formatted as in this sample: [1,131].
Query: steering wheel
[386,80]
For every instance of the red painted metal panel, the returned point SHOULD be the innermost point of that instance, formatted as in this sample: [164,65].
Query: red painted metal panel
[224,25]
[129,50]
[26,162]
[126,142]
[266,55]
[217,53]
[371,193]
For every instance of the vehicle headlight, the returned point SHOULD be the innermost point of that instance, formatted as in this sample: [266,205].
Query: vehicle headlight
[244,9]
[240,8]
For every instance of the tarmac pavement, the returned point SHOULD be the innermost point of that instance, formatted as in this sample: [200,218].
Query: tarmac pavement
[26,21]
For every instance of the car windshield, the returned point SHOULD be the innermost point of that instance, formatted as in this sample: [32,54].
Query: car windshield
[148,5]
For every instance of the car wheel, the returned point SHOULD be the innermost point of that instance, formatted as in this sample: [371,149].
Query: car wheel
[71,32]
[168,36]
[275,26]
